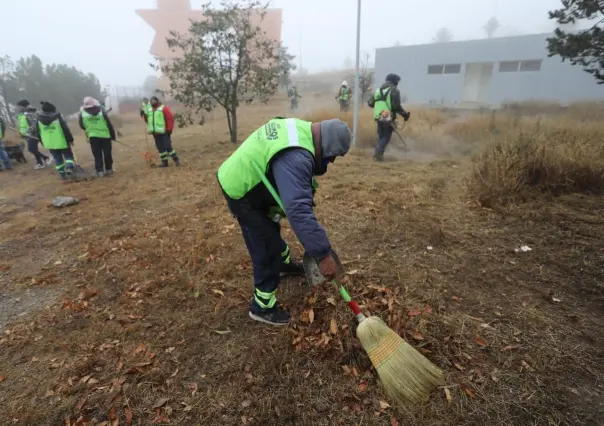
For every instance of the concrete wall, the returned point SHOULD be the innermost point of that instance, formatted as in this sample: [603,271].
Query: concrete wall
[556,81]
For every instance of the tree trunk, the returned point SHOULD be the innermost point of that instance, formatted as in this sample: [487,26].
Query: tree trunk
[233,126]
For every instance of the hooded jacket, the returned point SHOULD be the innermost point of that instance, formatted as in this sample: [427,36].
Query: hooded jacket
[48,117]
[94,111]
[291,172]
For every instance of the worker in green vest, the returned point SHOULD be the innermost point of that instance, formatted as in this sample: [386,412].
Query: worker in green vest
[51,128]
[25,120]
[343,97]
[386,104]
[145,109]
[100,132]
[160,123]
[288,152]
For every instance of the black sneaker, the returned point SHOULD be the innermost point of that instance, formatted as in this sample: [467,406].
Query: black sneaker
[275,316]
[292,269]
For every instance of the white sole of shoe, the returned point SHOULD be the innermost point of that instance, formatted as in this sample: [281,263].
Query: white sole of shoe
[260,319]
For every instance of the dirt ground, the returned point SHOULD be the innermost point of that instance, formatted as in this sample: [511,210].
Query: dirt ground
[131,307]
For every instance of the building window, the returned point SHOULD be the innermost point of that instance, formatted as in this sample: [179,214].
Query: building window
[452,68]
[509,66]
[534,65]
[444,69]
[435,69]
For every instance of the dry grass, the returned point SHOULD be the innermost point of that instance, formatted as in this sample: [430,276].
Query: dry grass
[155,282]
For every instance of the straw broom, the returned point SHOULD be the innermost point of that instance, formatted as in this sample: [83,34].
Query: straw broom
[407,376]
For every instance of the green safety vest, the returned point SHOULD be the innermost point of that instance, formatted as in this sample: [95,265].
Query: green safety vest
[237,175]
[95,125]
[156,122]
[344,94]
[146,108]
[52,136]
[381,104]
[23,124]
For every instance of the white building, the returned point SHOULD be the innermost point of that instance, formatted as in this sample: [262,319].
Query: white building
[488,71]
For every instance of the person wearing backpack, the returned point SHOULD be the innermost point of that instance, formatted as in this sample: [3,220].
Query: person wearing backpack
[386,104]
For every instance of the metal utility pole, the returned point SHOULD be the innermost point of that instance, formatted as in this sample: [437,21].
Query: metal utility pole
[355,125]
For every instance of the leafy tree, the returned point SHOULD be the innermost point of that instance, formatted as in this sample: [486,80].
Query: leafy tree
[582,47]
[491,27]
[63,85]
[226,60]
[443,35]
[366,75]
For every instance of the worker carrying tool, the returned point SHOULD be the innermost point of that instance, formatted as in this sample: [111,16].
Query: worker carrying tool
[293,95]
[287,152]
[100,132]
[145,109]
[386,104]
[25,120]
[343,97]
[160,123]
[51,128]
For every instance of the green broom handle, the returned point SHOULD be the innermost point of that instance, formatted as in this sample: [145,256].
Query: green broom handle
[351,303]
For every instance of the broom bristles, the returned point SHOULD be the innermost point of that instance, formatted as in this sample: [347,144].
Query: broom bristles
[407,376]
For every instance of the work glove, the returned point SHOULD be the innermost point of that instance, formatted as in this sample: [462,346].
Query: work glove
[328,267]
[169,132]
[406,115]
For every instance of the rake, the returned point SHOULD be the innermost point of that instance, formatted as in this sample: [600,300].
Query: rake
[406,375]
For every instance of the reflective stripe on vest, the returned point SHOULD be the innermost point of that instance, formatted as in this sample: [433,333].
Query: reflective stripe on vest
[237,175]
[95,125]
[52,136]
[381,104]
[156,122]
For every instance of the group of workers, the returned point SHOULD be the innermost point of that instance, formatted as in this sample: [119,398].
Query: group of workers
[275,167]
[49,127]
[270,176]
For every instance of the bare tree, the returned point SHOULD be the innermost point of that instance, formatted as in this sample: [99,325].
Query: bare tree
[366,74]
[443,35]
[491,27]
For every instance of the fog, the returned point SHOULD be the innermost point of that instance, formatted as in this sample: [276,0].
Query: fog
[110,40]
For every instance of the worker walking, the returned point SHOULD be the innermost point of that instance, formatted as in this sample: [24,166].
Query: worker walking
[100,132]
[5,161]
[386,103]
[25,121]
[145,109]
[290,152]
[343,97]
[293,95]
[51,128]
[160,123]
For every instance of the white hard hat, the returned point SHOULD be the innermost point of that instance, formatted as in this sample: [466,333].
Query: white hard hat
[344,83]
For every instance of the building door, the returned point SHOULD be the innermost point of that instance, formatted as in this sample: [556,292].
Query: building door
[477,82]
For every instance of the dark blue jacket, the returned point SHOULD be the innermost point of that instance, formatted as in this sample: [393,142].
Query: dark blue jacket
[291,172]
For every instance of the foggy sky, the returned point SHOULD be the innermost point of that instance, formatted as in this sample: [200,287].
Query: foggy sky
[109,39]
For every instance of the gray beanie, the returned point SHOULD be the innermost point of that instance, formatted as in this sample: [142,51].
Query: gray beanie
[335,138]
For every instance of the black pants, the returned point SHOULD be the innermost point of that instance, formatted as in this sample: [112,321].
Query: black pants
[344,106]
[32,146]
[101,150]
[266,247]
[385,130]
[163,143]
